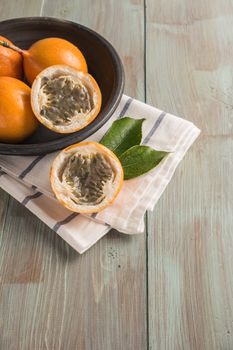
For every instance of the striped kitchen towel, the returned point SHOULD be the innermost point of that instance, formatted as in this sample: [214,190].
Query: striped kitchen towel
[27,179]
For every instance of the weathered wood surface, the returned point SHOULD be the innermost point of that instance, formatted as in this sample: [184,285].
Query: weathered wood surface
[50,297]
[190,237]
[172,290]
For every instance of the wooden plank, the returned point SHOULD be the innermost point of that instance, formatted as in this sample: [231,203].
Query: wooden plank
[52,298]
[22,8]
[103,16]
[189,73]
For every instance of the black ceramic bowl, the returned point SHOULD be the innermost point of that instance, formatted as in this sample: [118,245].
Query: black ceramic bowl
[103,63]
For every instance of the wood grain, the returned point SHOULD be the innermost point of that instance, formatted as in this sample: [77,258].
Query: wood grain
[189,73]
[50,297]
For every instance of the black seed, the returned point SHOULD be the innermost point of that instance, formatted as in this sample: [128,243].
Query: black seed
[44,81]
[42,112]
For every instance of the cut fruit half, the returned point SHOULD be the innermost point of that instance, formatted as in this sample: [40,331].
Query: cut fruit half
[64,99]
[86,177]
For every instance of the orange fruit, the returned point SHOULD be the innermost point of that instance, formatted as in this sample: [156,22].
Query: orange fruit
[47,52]
[65,100]
[17,121]
[51,51]
[86,177]
[11,62]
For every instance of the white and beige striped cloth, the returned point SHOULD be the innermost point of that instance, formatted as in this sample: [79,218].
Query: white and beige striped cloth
[27,180]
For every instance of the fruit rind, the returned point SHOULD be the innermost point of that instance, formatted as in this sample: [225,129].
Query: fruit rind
[50,51]
[60,191]
[11,61]
[17,121]
[85,78]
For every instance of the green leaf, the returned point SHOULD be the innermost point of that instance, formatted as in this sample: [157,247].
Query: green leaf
[123,134]
[139,160]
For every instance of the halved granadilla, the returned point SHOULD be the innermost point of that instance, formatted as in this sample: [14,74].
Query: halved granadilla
[65,100]
[86,177]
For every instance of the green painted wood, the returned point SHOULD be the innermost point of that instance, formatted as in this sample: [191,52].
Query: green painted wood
[51,297]
[189,73]
[22,8]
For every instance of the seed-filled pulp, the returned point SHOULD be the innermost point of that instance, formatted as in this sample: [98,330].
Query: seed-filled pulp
[65,98]
[87,175]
